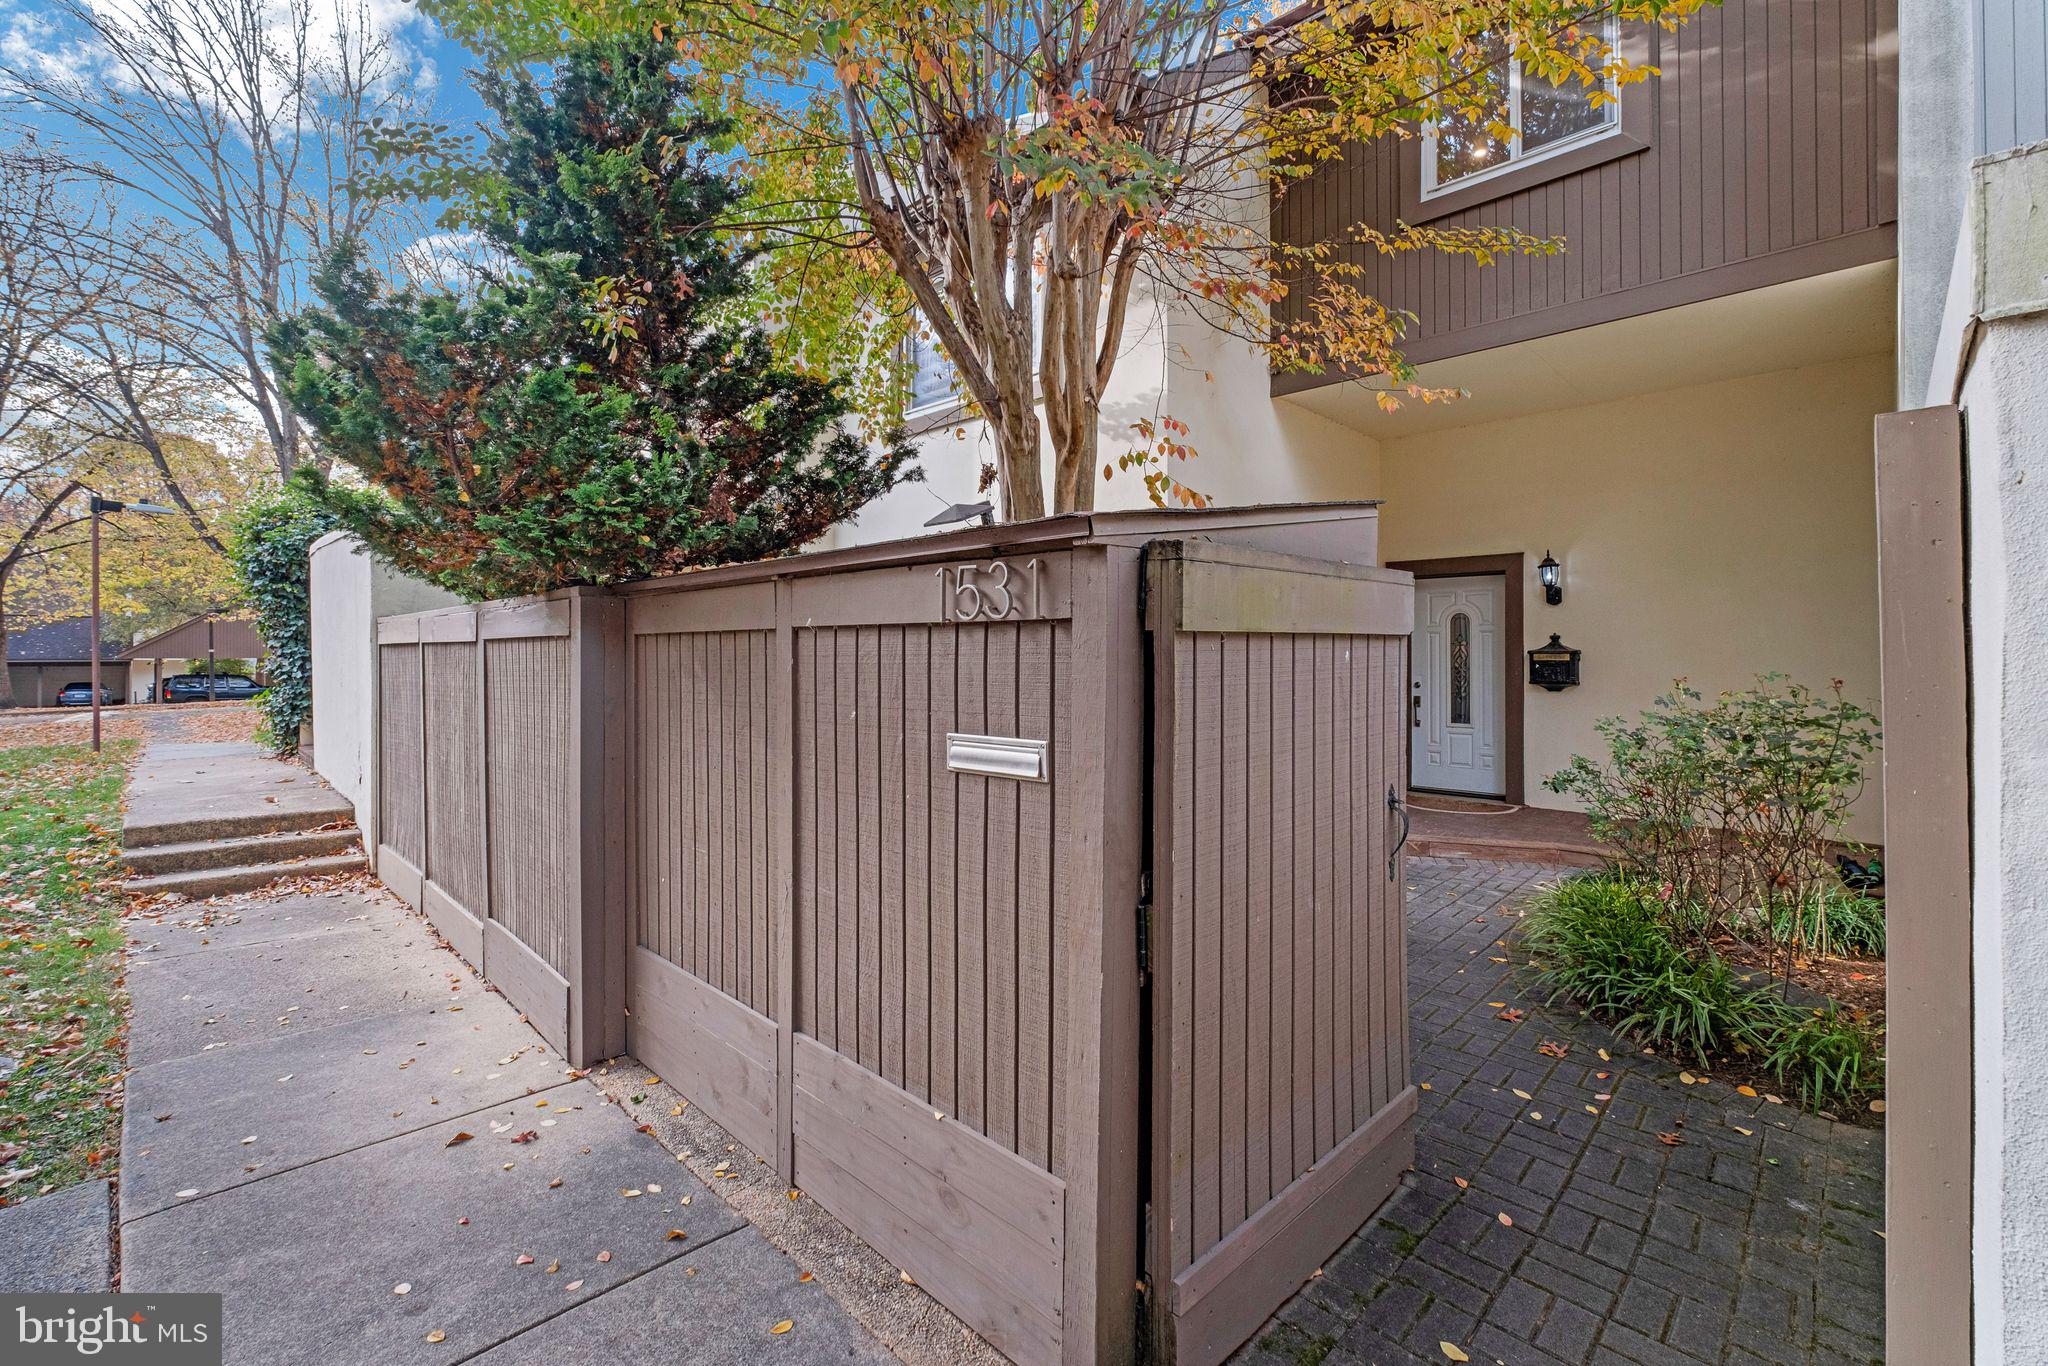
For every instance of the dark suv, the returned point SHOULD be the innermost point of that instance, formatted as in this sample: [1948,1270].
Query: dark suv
[224,688]
[80,695]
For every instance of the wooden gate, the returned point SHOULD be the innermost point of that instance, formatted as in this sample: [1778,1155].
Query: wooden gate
[1281,1106]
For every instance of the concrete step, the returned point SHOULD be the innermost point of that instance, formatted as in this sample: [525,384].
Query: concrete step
[205,882]
[265,820]
[248,851]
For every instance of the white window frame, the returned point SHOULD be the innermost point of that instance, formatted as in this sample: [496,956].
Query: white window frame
[1516,158]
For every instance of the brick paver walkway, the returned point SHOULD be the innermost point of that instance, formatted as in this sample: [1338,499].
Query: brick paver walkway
[1754,1241]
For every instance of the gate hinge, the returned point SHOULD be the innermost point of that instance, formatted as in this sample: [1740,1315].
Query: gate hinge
[1144,926]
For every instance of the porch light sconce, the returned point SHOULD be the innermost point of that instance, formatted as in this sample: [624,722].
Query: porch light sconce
[1552,574]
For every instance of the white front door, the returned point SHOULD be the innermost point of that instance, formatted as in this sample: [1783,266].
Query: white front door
[1458,715]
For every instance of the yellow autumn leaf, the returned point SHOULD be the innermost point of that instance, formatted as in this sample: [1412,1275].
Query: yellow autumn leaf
[783,1327]
[437,1336]
[1453,1351]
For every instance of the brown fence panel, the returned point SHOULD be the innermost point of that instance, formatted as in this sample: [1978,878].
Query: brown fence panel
[401,748]
[496,757]
[1282,1119]
[702,892]
[454,895]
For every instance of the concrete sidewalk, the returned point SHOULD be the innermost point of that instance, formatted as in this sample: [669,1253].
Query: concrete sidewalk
[335,1124]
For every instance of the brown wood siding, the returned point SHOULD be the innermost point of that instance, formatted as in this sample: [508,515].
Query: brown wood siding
[1772,130]
[700,888]
[925,921]
[526,705]
[454,772]
[1287,983]
[402,798]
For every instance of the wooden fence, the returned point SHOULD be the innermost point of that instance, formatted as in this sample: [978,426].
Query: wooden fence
[855,848]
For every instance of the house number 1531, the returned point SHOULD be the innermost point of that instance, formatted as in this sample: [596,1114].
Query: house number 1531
[989,592]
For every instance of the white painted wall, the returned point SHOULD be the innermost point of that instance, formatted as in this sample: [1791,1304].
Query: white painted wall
[350,590]
[1990,359]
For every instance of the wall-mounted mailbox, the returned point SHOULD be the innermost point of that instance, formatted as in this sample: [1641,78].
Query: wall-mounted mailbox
[1555,666]
[999,756]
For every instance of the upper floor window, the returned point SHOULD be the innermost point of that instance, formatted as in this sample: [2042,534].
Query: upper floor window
[932,372]
[1547,118]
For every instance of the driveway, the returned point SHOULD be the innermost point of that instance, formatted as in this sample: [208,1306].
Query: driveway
[1754,1239]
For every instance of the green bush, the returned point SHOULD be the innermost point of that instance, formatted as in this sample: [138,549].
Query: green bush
[269,542]
[1609,944]
[1727,805]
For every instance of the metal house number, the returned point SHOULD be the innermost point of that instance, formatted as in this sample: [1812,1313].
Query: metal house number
[990,592]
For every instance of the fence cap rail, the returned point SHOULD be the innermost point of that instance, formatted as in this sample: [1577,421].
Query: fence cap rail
[1328,532]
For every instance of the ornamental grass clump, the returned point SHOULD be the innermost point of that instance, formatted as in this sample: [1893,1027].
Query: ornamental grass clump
[1610,944]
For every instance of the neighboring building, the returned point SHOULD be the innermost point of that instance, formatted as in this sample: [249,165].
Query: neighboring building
[1677,409]
[42,659]
[194,645]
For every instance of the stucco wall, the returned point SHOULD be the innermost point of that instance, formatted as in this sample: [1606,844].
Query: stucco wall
[350,590]
[1172,364]
[2005,413]
[1715,532]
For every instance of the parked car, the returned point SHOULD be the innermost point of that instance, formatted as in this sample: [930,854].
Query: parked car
[224,688]
[80,695]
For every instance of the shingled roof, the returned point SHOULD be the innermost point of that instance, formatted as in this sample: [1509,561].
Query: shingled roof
[57,642]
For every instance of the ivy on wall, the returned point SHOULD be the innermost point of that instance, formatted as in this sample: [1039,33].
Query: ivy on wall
[270,541]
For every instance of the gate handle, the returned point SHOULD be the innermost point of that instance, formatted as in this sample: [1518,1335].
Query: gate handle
[1399,808]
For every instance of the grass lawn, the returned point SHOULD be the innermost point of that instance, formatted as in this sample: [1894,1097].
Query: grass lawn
[62,1006]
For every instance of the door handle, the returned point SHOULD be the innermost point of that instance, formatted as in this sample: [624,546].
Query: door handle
[1418,711]
[1399,808]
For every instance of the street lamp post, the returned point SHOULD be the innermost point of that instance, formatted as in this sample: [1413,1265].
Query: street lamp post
[100,505]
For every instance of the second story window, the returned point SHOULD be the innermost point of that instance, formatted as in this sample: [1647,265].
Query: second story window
[932,373]
[1546,117]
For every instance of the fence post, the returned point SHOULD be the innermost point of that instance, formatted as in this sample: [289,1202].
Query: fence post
[597,769]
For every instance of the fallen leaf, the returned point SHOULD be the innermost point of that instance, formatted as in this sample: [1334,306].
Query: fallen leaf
[1671,1140]
[1745,1090]
[187,1194]
[1523,1094]
[676,1235]
[1877,1107]
[803,1278]
[904,1276]
[1504,1220]
[1552,1049]
[604,1256]
[1511,1016]
[573,1286]
[1452,1351]
[783,1327]
[1604,1057]
[1687,1079]
[524,1259]
[437,1336]
[1746,1133]
[527,1137]
[463,1137]
[630,1194]
[1463,1184]
[552,1267]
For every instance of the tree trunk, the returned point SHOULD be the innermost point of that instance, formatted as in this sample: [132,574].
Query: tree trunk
[6,674]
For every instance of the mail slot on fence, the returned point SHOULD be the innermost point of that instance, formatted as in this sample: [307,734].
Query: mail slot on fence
[916,865]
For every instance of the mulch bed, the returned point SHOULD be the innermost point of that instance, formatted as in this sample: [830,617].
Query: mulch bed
[1857,984]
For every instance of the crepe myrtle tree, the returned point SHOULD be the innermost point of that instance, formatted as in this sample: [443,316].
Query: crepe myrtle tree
[594,410]
[1007,174]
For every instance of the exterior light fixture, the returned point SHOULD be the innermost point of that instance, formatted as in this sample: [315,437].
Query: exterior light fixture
[1552,574]
[965,512]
